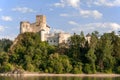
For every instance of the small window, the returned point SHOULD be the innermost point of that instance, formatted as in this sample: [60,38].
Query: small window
[26,27]
[23,25]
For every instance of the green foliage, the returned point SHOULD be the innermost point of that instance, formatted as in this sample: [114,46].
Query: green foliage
[105,49]
[5,45]
[77,68]
[30,67]
[59,63]
[3,58]
[77,48]
[88,69]
[28,53]
[6,67]
[118,69]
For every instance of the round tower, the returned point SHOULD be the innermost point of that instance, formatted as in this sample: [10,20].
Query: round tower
[42,35]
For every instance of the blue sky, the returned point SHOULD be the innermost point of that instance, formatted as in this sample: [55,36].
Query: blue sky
[62,15]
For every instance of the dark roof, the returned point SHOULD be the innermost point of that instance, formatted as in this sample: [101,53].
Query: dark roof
[88,35]
[48,26]
[42,30]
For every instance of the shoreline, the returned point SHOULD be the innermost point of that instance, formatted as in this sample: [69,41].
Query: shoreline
[60,75]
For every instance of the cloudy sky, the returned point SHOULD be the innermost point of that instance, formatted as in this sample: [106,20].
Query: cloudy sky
[62,15]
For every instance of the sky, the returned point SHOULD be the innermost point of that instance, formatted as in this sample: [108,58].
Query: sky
[62,15]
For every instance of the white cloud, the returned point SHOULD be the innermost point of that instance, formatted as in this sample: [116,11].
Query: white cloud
[10,36]
[72,3]
[101,27]
[6,18]
[1,28]
[23,9]
[110,3]
[57,30]
[59,4]
[0,9]
[64,15]
[74,14]
[91,13]
[113,26]
[76,4]
[51,9]
[73,23]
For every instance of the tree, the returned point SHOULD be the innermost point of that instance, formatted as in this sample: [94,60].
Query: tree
[30,53]
[59,63]
[5,45]
[77,47]
[90,56]
[3,58]
[104,53]
[77,68]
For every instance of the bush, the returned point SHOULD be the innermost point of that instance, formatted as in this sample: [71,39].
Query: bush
[6,68]
[46,70]
[77,69]
[87,68]
[108,71]
[30,67]
[118,69]
[50,70]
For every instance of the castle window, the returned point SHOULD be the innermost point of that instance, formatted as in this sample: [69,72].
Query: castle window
[68,40]
[50,40]
[27,26]
[54,41]
[23,25]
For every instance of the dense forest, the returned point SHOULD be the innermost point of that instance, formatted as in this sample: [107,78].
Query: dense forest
[101,55]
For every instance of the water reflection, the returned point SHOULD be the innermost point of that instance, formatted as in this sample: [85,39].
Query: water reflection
[58,78]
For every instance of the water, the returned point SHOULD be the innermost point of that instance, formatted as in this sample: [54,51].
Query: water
[59,78]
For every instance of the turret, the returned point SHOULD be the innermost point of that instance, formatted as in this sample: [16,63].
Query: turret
[24,27]
[119,33]
[42,35]
[88,38]
[41,21]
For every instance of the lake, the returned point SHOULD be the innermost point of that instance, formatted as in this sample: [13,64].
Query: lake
[59,78]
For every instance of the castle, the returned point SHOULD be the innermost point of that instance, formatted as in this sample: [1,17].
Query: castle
[41,26]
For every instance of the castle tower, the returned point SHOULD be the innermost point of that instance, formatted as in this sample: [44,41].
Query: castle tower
[39,26]
[41,21]
[25,27]
[88,38]
[42,34]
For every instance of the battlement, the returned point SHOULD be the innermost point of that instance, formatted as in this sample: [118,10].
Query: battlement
[24,22]
[37,26]
[40,19]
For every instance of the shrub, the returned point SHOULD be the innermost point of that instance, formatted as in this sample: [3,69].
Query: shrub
[87,68]
[77,69]
[118,69]
[6,68]
[30,67]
